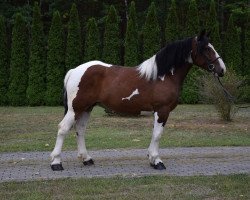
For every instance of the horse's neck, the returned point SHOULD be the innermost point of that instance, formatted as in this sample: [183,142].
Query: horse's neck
[181,74]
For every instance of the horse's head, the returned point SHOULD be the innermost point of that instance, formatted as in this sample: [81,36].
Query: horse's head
[205,56]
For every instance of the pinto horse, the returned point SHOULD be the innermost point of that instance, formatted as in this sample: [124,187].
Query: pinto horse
[154,85]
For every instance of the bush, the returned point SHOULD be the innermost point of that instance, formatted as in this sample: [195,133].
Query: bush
[212,92]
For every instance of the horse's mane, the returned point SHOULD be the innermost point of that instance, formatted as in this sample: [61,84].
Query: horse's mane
[173,55]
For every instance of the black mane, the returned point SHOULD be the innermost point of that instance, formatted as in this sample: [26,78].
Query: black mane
[173,55]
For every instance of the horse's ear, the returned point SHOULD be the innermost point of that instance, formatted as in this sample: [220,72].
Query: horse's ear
[202,34]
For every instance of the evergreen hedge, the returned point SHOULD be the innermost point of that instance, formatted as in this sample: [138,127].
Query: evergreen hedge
[55,62]
[172,30]
[37,61]
[4,65]
[151,33]
[190,91]
[212,25]
[131,57]
[18,63]
[74,42]
[92,43]
[232,47]
[111,41]
[246,57]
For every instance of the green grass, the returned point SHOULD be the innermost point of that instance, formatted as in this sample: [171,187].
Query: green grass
[35,129]
[154,187]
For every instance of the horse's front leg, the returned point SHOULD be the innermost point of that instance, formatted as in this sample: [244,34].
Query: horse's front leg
[153,150]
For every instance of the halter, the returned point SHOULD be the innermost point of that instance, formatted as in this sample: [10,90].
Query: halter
[210,64]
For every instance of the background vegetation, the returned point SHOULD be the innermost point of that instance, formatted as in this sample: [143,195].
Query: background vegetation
[70,32]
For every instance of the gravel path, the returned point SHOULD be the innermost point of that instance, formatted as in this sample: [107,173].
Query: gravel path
[131,162]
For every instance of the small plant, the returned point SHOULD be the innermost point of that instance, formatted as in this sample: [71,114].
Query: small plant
[212,92]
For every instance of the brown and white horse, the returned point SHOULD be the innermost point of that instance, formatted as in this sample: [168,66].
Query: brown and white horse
[154,85]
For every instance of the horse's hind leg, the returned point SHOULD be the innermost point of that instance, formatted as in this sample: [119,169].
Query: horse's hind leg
[81,124]
[63,129]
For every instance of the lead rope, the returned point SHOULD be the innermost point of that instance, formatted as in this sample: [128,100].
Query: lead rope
[230,97]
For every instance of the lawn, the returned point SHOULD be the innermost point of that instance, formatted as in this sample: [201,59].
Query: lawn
[35,129]
[154,187]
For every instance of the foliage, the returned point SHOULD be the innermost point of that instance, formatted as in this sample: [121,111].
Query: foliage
[111,41]
[74,42]
[232,46]
[246,57]
[131,57]
[212,92]
[55,62]
[190,88]
[151,33]
[37,61]
[18,63]
[192,25]
[4,65]
[92,41]
[172,30]
[212,25]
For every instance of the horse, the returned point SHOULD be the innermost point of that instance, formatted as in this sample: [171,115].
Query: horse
[154,85]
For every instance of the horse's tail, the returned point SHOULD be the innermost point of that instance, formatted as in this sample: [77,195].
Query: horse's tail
[65,96]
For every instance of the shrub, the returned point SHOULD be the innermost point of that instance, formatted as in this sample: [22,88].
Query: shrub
[37,62]
[131,57]
[92,41]
[74,42]
[18,63]
[151,33]
[55,62]
[211,92]
[4,64]
[111,41]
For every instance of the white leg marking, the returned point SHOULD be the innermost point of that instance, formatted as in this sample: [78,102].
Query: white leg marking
[153,149]
[136,92]
[63,129]
[81,125]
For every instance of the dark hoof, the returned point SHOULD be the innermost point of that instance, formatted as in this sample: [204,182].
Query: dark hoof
[88,162]
[159,166]
[57,167]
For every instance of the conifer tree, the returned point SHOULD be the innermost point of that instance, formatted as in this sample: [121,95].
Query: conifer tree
[55,62]
[37,61]
[18,63]
[246,57]
[4,64]
[74,47]
[131,39]
[111,40]
[190,91]
[92,41]
[151,33]
[212,25]
[172,30]
[192,25]
[232,47]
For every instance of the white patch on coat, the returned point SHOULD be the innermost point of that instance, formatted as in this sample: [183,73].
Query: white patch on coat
[153,149]
[135,92]
[73,78]
[222,64]
[148,69]
[189,58]
[172,71]
[162,77]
